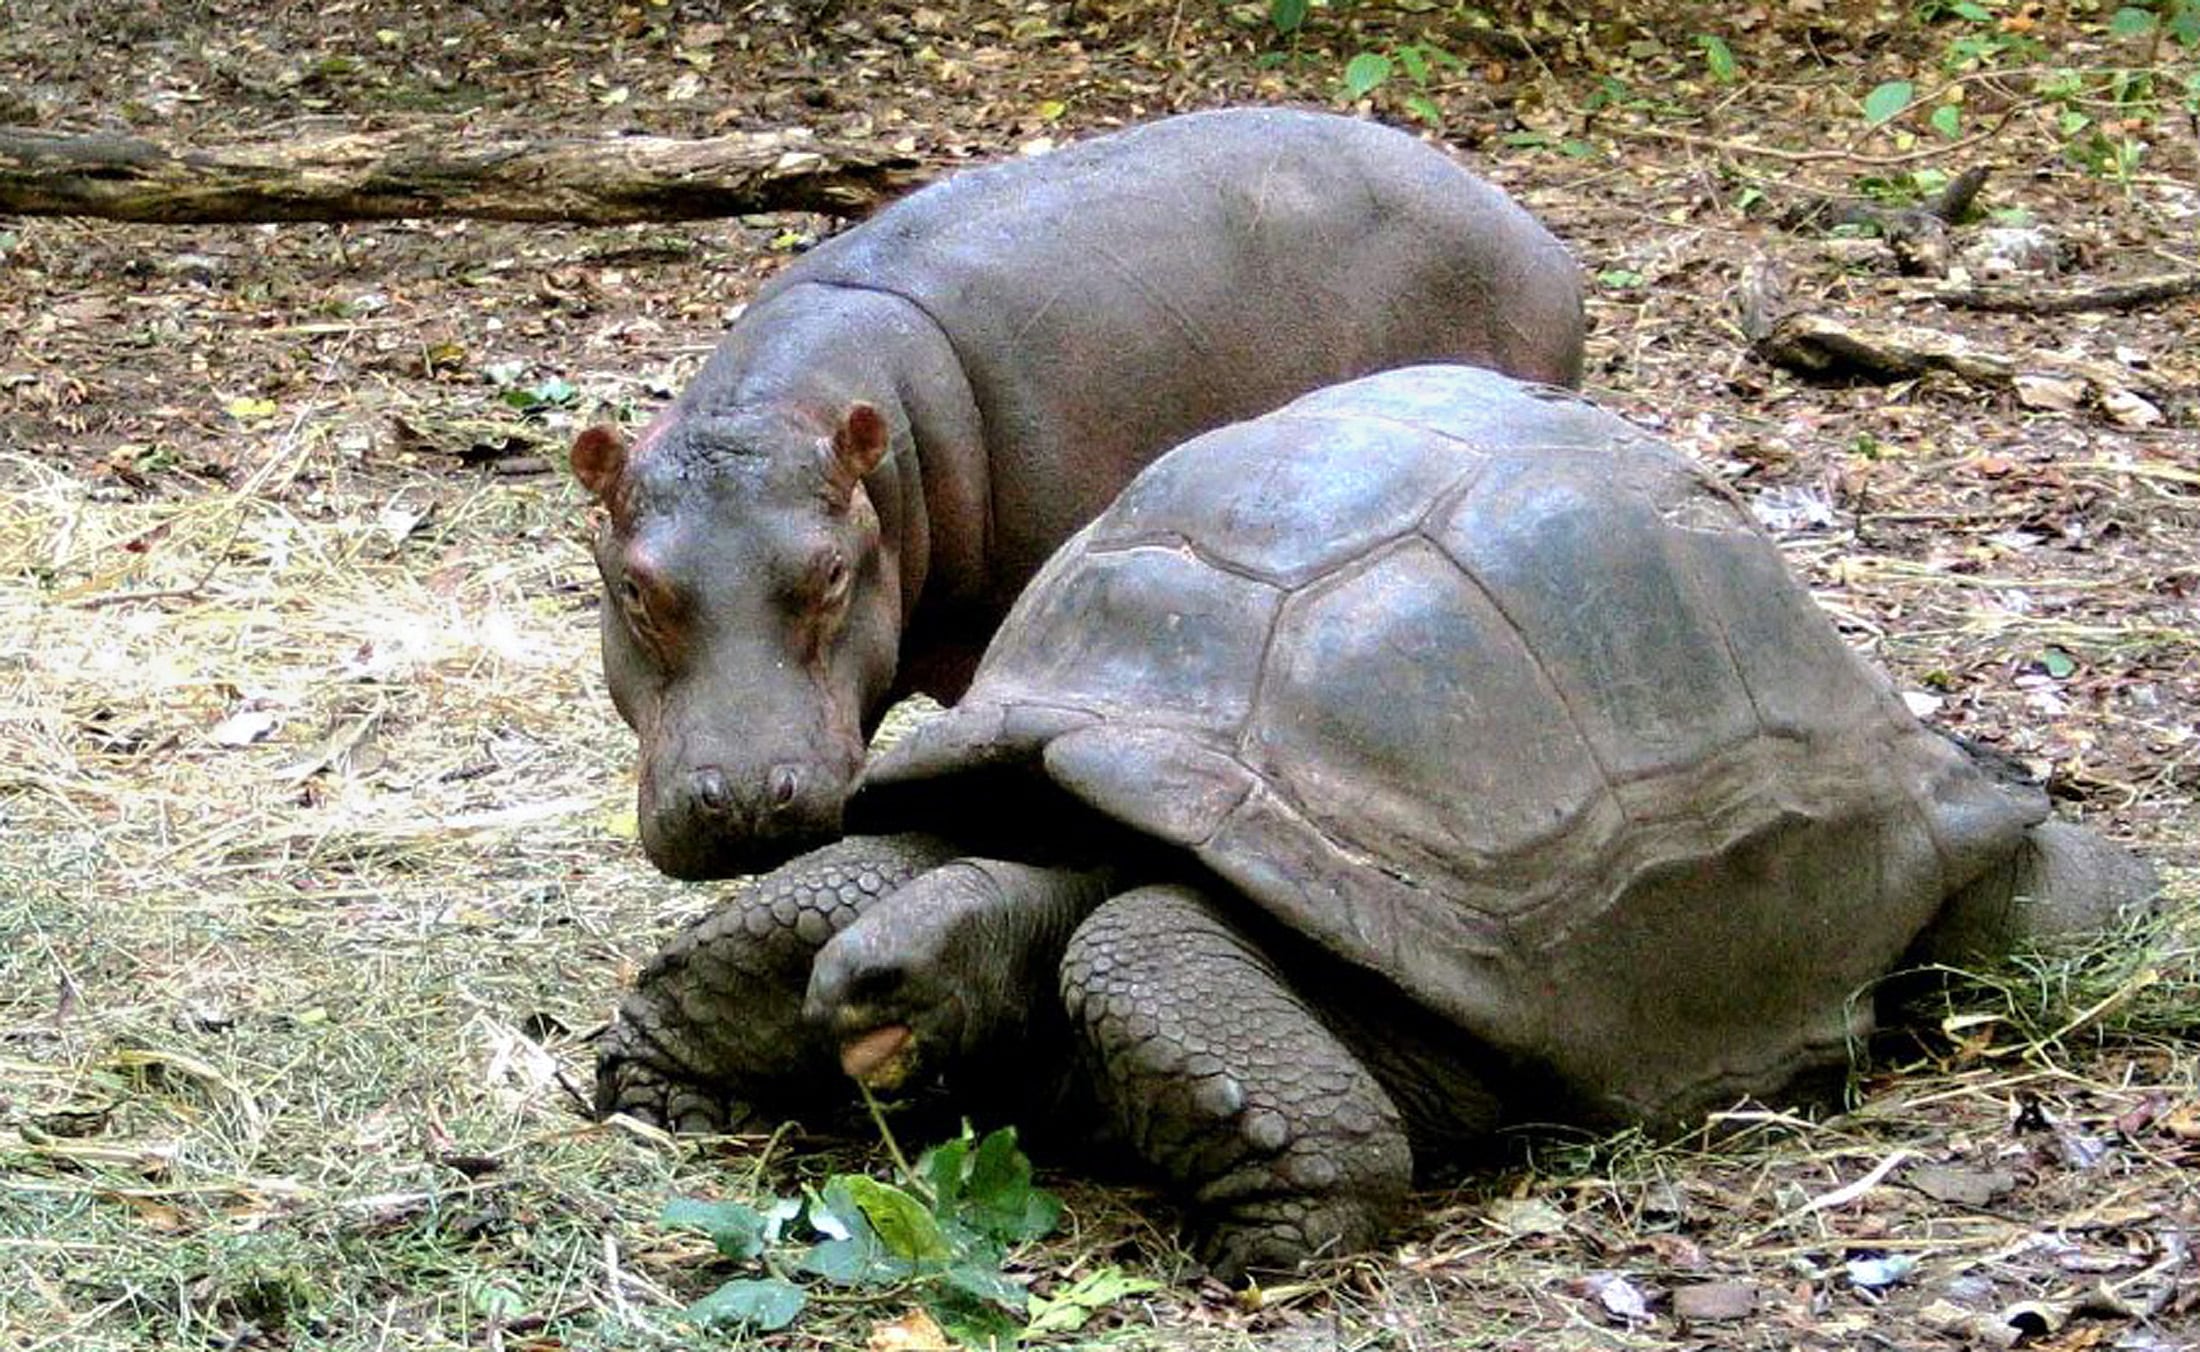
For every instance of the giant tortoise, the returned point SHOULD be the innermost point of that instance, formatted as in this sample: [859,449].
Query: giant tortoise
[1436,753]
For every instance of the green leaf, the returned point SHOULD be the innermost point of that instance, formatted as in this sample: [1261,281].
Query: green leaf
[2058,663]
[834,1213]
[1067,1310]
[1414,64]
[972,1322]
[998,1171]
[1947,119]
[851,1253]
[762,1303]
[1887,101]
[1287,15]
[998,1198]
[943,1169]
[495,1300]
[1619,279]
[736,1229]
[1424,107]
[859,1260]
[1718,57]
[1364,72]
[2131,22]
[904,1224]
[983,1280]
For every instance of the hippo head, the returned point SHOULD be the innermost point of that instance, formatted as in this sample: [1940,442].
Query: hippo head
[751,617]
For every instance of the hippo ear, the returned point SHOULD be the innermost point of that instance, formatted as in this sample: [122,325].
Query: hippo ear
[859,443]
[599,458]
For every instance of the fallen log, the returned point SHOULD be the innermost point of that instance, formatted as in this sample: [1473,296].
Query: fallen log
[2034,300]
[440,170]
[1823,347]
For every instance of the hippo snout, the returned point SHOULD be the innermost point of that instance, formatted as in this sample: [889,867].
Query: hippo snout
[715,823]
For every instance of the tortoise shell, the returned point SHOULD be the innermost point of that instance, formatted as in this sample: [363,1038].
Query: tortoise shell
[1488,692]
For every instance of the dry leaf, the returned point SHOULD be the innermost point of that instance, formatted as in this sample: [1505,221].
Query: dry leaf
[2182,1122]
[2057,393]
[915,1331]
[244,727]
[1619,1297]
[2126,409]
[1943,1316]
[1526,1216]
[1677,1252]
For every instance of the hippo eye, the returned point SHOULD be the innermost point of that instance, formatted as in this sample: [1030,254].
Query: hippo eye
[833,575]
[646,604]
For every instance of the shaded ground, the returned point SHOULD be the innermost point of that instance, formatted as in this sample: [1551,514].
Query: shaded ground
[317,863]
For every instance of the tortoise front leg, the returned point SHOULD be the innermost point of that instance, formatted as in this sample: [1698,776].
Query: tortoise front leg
[951,982]
[1217,1074]
[713,1033]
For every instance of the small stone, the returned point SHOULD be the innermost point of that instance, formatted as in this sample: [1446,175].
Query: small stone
[1714,1302]
[1965,1187]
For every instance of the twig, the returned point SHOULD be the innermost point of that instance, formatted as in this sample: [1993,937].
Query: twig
[1840,1196]
[1814,156]
[893,1147]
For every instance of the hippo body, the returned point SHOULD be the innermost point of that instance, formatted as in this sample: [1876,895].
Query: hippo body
[904,424]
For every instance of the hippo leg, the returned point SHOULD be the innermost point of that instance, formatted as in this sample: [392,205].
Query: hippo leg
[713,1030]
[2063,880]
[1219,1075]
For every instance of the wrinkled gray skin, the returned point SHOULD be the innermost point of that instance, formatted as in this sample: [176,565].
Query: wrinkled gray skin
[1439,753]
[909,419]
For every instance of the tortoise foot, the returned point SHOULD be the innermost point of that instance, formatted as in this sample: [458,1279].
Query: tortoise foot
[631,1080]
[1285,1145]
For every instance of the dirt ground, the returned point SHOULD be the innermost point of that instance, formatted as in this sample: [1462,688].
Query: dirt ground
[317,857]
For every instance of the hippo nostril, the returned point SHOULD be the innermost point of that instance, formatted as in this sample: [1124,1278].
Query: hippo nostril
[786,781]
[711,792]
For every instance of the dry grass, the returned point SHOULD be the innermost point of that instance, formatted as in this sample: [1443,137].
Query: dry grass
[291,1036]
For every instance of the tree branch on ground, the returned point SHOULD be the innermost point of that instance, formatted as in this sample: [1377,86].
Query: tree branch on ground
[2125,295]
[1917,235]
[435,170]
[1822,347]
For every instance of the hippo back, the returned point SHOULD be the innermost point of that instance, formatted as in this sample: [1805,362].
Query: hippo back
[1197,270]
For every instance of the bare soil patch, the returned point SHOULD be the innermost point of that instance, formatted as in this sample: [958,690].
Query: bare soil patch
[316,843]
